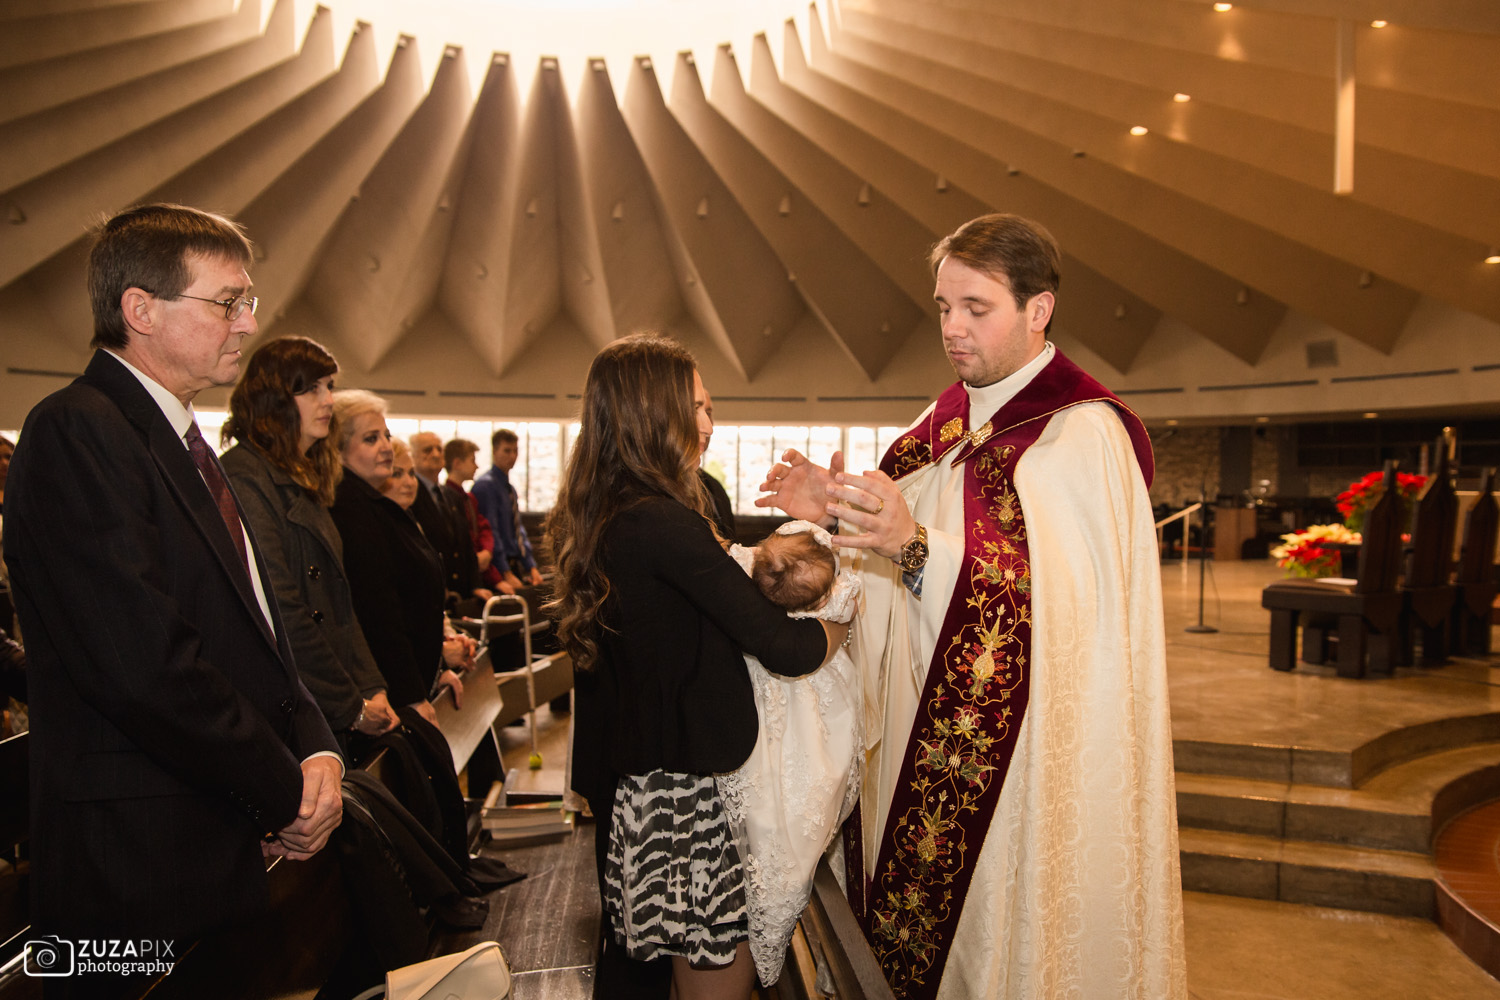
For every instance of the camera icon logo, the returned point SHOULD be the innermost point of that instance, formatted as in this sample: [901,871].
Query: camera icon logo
[49,955]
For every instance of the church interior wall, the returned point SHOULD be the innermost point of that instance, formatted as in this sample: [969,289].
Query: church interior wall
[464,225]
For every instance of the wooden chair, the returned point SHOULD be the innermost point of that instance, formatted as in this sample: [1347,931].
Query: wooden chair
[1364,616]
[1427,591]
[1475,582]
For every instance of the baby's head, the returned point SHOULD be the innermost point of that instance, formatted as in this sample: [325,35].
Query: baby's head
[794,570]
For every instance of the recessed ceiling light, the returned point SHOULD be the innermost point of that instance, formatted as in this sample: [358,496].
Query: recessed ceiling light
[1493,257]
[1138,130]
[1223,7]
[1371,415]
[1378,24]
[1182,98]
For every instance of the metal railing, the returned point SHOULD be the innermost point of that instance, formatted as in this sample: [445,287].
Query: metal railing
[1182,516]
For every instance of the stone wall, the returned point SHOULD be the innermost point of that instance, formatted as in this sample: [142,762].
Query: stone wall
[1185,457]
[1265,460]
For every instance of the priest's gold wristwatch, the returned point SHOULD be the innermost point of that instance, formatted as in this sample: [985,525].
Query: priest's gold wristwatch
[913,555]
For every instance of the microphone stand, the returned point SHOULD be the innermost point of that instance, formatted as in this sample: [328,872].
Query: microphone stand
[1202,560]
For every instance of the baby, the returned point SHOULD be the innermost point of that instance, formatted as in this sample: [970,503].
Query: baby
[785,803]
[794,570]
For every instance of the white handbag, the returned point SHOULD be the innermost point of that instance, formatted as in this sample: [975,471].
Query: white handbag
[480,973]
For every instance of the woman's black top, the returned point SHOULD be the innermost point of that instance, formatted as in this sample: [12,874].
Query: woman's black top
[397,583]
[303,555]
[670,690]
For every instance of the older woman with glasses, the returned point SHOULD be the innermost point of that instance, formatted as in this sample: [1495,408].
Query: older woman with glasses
[284,469]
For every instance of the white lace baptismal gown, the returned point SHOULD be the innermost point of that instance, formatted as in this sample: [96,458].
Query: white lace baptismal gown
[785,804]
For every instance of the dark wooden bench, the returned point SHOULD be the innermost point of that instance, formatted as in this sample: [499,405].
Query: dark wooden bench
[1475,579]
[1427,589]
[1364,617]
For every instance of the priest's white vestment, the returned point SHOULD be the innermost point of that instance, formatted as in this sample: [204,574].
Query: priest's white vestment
[1077,889]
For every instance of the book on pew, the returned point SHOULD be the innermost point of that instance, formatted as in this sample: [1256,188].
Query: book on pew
[523,821]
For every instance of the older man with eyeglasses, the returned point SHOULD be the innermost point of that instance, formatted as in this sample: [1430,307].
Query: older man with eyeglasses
[173,746]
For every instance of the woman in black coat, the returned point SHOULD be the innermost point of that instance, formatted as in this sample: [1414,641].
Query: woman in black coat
[657,617]
[395,576]
[284,469]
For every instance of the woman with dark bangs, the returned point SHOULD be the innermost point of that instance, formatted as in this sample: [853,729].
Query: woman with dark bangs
[285,468]
[656,616]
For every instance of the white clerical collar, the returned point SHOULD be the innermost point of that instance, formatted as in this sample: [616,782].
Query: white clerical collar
[179,416]
[986,399]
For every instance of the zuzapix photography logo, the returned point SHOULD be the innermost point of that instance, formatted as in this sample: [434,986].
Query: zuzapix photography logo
[49,955]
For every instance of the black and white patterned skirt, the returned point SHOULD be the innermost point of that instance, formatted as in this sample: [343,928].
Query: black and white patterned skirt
[673,882]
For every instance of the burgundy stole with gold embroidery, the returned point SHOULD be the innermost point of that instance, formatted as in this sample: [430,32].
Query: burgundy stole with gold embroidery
[978,681]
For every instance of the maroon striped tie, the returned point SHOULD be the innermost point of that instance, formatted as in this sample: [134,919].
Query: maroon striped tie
[208,464]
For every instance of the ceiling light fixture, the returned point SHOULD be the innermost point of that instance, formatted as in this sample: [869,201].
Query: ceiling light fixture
[1371,415]
[1223,8]
[1171,423]
[1182,98]
[1379,24]
[1138,130]
[1262,420]
[1493,257]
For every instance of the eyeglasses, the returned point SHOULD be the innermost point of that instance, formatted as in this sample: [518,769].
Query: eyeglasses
[234,307]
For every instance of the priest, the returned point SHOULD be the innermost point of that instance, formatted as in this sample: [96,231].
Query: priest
[1017,835]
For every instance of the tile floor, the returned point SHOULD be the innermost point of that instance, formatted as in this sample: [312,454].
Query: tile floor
[1223,691]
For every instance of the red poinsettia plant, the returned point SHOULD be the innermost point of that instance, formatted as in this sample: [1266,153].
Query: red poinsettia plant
[1355,502]
[1314,551]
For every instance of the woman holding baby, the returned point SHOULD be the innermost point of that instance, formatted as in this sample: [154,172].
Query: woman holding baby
[657,617]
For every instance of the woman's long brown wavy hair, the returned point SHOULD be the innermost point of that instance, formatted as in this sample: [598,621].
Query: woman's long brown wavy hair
[638,438]
[263,412]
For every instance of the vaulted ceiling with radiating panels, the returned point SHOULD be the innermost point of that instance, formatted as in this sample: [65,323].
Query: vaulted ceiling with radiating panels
[1279,209]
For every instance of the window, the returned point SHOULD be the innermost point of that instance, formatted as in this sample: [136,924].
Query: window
[738,454]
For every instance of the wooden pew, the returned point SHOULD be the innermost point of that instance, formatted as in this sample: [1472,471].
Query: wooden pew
[1475,580]
[1427,591]
[1365,615]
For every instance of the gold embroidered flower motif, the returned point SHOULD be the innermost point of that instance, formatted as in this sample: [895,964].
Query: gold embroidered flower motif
[910,454]
[951,430]
[927,846]
[984,669]
[981,434]
[1007,509]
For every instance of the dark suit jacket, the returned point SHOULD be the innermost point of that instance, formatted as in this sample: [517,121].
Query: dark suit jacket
[396,580]
[447,531]
[168,723]
[304,557]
